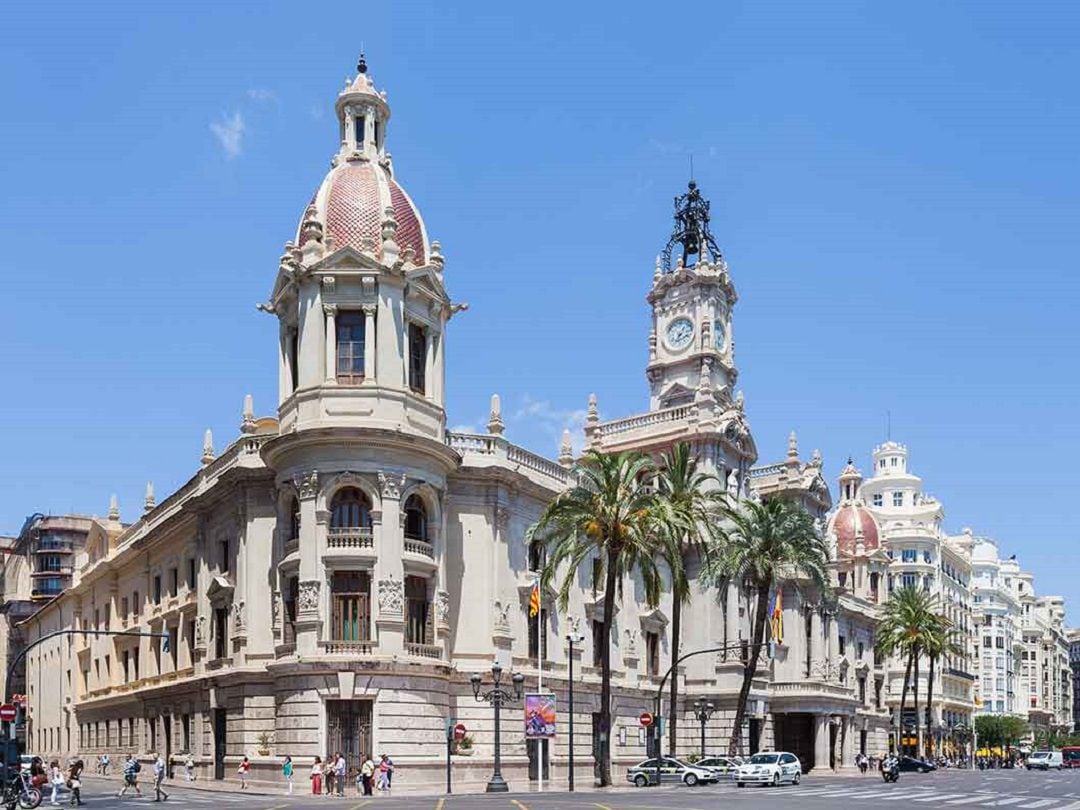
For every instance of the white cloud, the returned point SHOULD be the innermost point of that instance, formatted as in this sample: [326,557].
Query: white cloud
[464,429]
[261,94]
[552,420]
[230,133]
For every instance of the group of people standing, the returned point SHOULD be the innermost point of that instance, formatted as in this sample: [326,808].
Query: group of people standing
[331,777]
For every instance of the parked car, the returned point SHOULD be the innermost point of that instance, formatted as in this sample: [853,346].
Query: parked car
[769,768]
[916,765]
[671,771]
[723,767]
[1044,760]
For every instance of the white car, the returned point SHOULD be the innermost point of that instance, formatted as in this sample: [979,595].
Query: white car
[769,768]
[1044,760]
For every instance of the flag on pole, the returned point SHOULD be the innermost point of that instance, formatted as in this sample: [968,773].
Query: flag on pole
[534,600]
[776,616]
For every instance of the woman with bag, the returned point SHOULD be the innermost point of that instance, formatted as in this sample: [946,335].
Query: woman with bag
[243,771]
[74,783]
[316,778]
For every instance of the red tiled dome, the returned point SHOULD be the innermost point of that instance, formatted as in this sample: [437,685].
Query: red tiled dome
[847,523]
[351,201]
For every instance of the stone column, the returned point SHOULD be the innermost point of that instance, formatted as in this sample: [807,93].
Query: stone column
[284,369]
[816,639]
[369,342]
[388,582]
[429,363]
[331,342]
[309,617]
[731,619]
[834,647]
[821,743]
[847,749]
[310,335]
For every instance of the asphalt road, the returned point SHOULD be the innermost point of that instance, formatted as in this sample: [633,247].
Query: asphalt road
[1019,790]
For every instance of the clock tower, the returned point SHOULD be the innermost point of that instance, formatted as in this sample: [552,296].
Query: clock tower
[691,350]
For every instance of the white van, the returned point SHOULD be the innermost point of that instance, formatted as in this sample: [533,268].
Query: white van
[1044,760]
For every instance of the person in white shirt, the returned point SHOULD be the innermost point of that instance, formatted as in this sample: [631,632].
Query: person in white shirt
[159,776]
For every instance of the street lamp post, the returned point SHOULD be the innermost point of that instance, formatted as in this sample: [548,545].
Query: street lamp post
[496,697]
[703,710]
[571,640]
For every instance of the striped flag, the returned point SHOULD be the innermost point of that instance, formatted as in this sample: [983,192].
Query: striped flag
[776,616]
[534,600]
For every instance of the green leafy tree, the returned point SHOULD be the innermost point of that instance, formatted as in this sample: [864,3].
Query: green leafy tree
[906,620]
[759,544]
[610,515]
[690,500]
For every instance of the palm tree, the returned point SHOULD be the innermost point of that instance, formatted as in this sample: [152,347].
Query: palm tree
[690,501]
[760,543]
[906,618]
[609,515]
[940,642]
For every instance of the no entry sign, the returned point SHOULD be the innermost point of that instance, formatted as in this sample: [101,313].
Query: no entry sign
[645,719]
[7,713]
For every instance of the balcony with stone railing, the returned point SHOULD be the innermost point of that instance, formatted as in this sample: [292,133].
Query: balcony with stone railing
[433,651]
[631,428]
[333,647]
[492,450]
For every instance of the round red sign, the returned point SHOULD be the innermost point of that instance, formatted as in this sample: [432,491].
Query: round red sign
[459,731]
[7,713]
[645,719]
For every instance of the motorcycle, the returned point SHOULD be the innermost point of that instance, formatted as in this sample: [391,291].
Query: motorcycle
[19,791]
[890,770]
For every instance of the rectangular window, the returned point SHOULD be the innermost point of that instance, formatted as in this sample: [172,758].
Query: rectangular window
[598,642]
[360,124]
[292,591]
[988,641]
[174,645]
[294,359]
[909,555]
[136,604]
[908,580]
[417,610]
[877,500]
[596,574]
[135,662]
[378,132]
[221,628]
[1000,643]
[417,357]
[652,654]
[927,557]
[533,640]
[898,499]
[174,581]
[192,573]
[350,347]
[224,546]
[124,610]
[351,608]
[189,638]
[843,646]
[157,589]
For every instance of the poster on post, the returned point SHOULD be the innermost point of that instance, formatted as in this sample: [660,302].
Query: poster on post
[539,716]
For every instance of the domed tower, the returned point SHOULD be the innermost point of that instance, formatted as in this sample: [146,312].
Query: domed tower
[361,459]
[856,538]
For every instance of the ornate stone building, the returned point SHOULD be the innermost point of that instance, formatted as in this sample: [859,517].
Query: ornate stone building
[329,580]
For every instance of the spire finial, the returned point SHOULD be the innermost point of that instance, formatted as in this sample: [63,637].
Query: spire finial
[114,508]
[149,501]
[792,446]
[495,423]
[566,449]
[207,447]
[248,424]
[361,63]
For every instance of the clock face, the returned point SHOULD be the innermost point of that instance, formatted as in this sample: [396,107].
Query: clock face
[719,334]
[679,333]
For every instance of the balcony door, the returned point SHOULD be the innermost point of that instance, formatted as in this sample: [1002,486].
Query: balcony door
[351,594]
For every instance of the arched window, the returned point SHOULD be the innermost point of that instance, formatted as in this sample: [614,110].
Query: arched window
[350,509]
[415,518]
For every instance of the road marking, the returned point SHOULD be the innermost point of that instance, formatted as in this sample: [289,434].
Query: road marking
[277,806]
[520,805]
[358,806]
[439,804]
[1040,803]
[938,797]
[971,800]
[601,806]
[1007,802]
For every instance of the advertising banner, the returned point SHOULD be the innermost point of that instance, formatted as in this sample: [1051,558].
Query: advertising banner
[539,716]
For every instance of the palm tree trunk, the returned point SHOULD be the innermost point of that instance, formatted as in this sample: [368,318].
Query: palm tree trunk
[903,705]
[604,749]
[676,632]
[758,633]
[929,706]
[915,701]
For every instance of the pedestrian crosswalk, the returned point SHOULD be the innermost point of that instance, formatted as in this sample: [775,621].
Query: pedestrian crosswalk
[926,796]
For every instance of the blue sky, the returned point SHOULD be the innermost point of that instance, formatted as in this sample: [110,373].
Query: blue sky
[895,189]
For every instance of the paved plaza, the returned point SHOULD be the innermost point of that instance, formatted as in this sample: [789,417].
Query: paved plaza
[1021,790]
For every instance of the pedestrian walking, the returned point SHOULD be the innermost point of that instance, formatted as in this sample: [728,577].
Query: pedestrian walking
[389,772]
[316,777]
[367,773]
[56,780]
[286,771]
[384,774]
[159,777]
[328,774]
[243,771]
[189,768]
[340,772]
[131,777]
[74,783]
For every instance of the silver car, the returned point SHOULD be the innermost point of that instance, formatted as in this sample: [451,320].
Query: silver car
[671,771]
